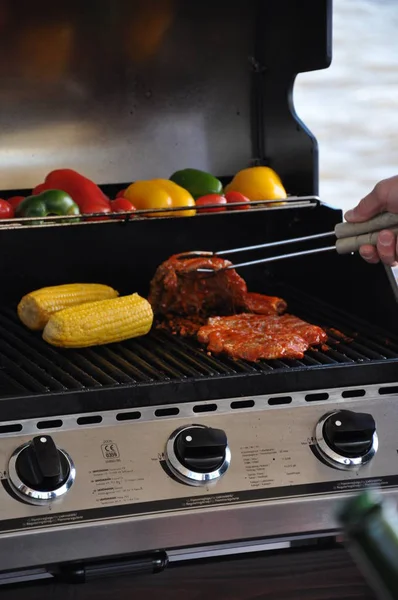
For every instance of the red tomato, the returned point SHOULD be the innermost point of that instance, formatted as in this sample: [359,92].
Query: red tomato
[235,197]
[211,199]
[6,210]
[15,200]
[122,205]
[120,194]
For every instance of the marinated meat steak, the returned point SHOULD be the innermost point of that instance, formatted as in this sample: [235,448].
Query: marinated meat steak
[253,337]
[184,299]
[189,304]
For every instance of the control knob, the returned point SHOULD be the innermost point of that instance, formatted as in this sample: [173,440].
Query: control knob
[346,439]
[197,454]
[39,472]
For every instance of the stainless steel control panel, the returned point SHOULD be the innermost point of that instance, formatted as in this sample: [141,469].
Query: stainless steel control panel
[122,469]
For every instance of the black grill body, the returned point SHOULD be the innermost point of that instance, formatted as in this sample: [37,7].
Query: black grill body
[338,293]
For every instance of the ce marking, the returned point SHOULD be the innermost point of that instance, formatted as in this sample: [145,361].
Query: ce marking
[110,450]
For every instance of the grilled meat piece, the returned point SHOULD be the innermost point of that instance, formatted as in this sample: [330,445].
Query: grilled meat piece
[260,304]
[253,337]
[184,326]
[177,289]
[184,299]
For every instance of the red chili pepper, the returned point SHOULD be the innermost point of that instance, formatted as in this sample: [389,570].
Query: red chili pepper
[121,193]
[6,210]
[15,200]
[87,195]
[122,205]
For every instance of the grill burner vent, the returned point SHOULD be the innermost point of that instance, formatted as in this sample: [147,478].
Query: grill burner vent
[187,410]
[317,397]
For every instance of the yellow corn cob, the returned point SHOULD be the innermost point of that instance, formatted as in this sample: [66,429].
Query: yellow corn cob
[99,323]
[36,308]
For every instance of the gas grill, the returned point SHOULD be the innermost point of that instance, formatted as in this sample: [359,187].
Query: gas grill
[161,451]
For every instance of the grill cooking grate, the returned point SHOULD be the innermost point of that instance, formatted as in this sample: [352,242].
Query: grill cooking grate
[28,366]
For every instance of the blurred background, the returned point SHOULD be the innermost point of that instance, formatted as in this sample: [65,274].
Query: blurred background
[352,107]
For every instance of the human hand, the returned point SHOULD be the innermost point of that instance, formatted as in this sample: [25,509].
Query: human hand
[384,197]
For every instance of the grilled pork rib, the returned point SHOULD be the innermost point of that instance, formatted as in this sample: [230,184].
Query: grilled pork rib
[251,337]
[185,299]
[186,303]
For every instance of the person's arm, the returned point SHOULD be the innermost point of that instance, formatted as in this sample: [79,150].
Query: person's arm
[384,197]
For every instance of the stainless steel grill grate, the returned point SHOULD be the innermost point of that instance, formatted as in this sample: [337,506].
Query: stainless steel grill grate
[28,366]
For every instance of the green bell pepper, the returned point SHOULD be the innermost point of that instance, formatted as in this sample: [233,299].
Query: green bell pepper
[50,202]
[198,183]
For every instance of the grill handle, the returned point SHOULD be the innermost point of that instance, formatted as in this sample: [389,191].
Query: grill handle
[384,221]
[105,569]
[352,244]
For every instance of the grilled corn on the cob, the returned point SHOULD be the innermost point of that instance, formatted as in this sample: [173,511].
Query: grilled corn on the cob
[99,323]
[36,308]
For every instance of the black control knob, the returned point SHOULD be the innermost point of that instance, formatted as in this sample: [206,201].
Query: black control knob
[197,454]
[41,471]
[347,439]
[41,465]
[201,449]
[350,433]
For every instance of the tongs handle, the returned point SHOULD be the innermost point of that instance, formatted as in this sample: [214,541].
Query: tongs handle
[352,244]
[384,221]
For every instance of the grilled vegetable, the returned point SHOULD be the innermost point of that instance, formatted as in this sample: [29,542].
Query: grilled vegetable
[51,202]
[160,193]
[122,205]
[237,198]
[198,183]
[36,308]
[87,195]
[6,209]
[258,183]
[179,198]
[209,200]
[99,323]
[15,200]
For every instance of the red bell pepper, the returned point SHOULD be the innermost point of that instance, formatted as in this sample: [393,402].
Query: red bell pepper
[39,189]
[15,201]
[87,195]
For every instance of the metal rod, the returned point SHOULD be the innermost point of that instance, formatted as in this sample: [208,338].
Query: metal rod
[316,236]
[269,259]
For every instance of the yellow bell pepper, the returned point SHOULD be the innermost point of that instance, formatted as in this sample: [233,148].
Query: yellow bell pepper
[160,193]
[258,183]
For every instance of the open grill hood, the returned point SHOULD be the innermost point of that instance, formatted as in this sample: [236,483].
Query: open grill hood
[119,109]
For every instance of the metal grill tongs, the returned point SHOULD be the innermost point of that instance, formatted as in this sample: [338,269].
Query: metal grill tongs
[350,237]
